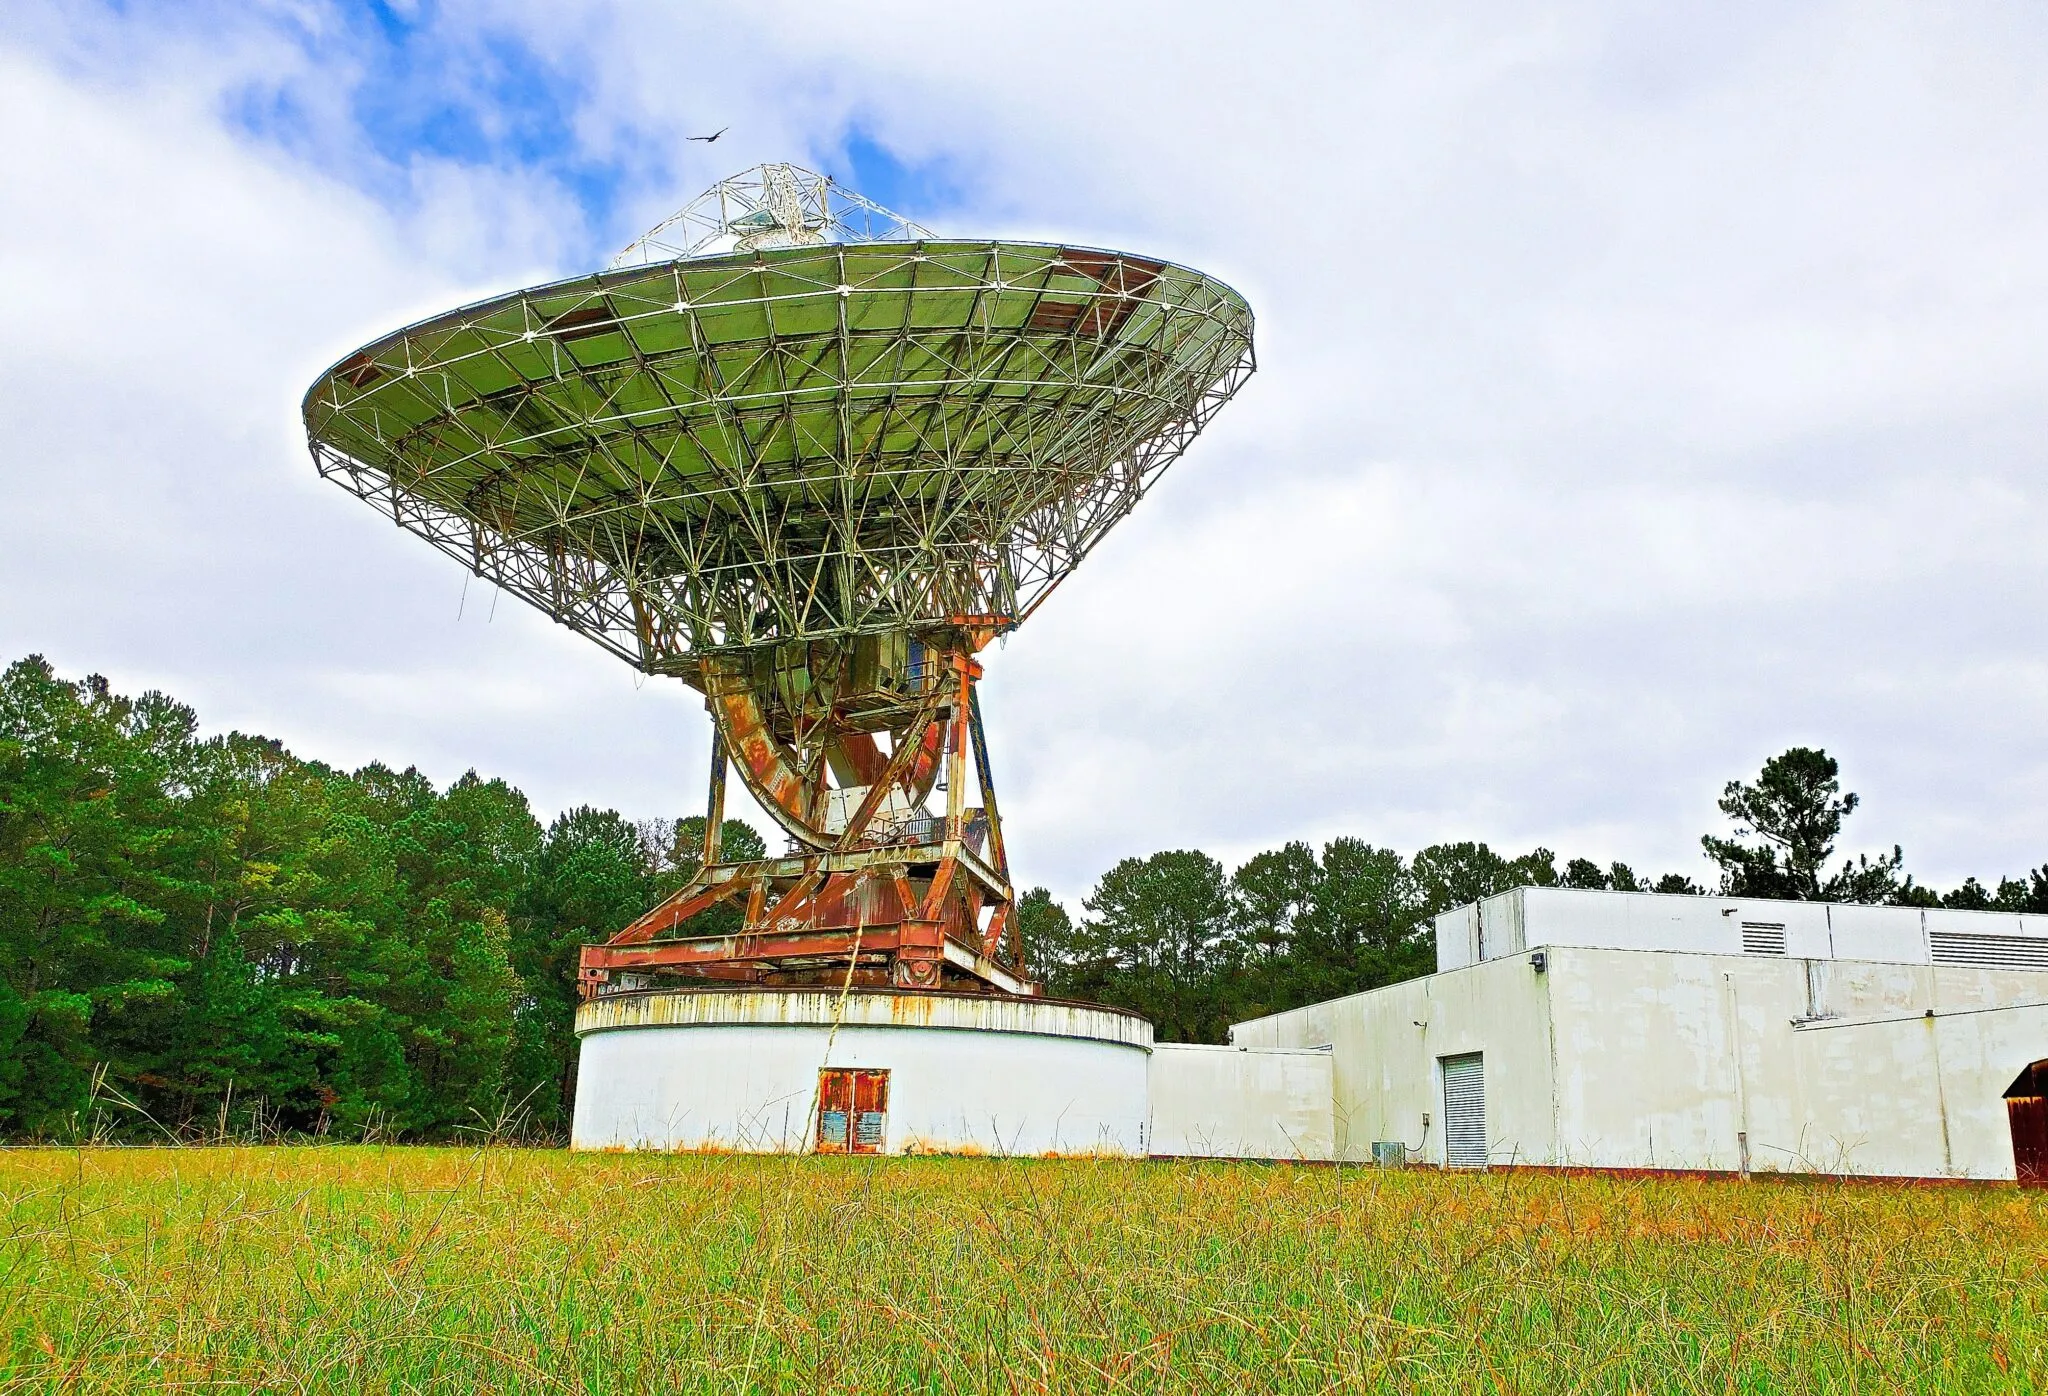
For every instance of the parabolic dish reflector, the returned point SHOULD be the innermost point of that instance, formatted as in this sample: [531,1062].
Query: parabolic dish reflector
[783,435]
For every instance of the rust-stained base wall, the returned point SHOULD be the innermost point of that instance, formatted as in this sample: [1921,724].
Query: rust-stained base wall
[738,1070]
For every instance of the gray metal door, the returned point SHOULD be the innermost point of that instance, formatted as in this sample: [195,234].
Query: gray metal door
[1465,1111]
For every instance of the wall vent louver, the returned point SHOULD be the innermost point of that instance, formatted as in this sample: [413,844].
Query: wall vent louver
[1977,951]
[1465,1111]
[1763,938]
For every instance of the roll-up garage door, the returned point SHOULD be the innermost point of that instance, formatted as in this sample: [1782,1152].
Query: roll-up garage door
[1465,1111]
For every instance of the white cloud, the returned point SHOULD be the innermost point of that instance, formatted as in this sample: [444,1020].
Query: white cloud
[1641,391]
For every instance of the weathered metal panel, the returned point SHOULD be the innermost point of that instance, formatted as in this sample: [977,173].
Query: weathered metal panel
[870,1111]
[835,1111]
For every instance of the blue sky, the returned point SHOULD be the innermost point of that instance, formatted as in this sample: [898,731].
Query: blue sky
[413,83]
[410,91]
[1640,393]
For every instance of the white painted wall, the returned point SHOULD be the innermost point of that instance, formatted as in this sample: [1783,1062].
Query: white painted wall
[720,1071]
[1386,1045]
[1232,1102]
[1635,1059]
[1531,917]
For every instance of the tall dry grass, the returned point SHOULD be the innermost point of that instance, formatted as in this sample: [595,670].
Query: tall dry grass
[344,1269]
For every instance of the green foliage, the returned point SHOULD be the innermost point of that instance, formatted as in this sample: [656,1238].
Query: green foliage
[1193,949]
[737,843]
[589,879]
[2014,894]
[1786,825]
[1172,938]
[1352,919]
[1796,809]
[214,932]
[1051,948]
[1158,932]
[678,852]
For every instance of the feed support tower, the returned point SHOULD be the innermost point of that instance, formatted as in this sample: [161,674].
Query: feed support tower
[810,459]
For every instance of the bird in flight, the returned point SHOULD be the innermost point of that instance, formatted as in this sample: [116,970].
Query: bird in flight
[713,136]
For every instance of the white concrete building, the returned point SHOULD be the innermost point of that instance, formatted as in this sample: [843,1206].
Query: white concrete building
[1632,1030]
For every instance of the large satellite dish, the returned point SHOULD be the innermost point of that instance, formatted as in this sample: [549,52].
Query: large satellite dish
[807,457]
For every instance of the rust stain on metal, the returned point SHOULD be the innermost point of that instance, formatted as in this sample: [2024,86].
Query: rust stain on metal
[878,889]
[853,1111]
[870,1006]
[2026,1105]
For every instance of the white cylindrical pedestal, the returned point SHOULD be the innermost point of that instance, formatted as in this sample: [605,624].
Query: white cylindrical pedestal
[739,1070]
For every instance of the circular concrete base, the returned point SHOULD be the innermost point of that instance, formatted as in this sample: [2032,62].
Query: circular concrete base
[743,1070]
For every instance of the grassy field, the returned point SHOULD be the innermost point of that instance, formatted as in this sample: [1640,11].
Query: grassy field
[344,1268]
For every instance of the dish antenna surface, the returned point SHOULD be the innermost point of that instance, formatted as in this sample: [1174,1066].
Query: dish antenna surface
[809,458]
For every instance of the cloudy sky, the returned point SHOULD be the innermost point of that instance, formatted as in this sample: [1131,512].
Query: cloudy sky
[1643,389]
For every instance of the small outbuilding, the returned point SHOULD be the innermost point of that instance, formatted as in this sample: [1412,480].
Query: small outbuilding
[1624,1030]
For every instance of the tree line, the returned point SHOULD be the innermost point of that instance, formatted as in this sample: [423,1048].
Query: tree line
[1195,948]
[202,933]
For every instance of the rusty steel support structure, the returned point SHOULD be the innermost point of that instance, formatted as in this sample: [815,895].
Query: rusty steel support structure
[876,886]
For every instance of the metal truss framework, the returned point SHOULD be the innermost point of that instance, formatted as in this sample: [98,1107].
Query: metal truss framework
[768,206]
[787,445]
[810,459]
[920,902]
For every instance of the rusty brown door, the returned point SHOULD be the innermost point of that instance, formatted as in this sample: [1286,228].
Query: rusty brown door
[853,1111]
[870,1111]
[835,1111]
[2026,1108]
